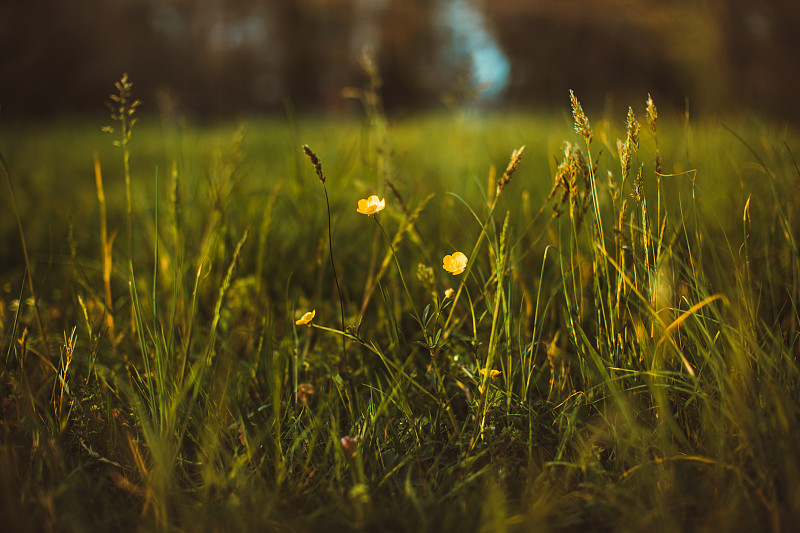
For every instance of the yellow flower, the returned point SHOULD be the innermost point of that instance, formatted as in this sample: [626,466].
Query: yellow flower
[492,373]
[449,293]
[456,263]
[306,318]
[372,205]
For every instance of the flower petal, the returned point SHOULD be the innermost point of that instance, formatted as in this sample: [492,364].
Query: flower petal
[306,318]
[455,264]
[370,206]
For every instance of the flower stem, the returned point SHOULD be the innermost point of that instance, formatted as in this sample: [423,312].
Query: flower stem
[336,277]
[402,279]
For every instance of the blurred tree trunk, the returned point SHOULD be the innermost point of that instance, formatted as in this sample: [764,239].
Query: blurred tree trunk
[407,53]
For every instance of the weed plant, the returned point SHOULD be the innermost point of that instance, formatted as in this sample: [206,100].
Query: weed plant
[602,336]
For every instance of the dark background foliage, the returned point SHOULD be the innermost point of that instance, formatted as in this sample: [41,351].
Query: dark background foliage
[224,57]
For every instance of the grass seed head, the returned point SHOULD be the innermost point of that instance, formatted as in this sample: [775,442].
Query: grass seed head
[316,162]
[612,186]
[516,157]
[123,108]
[426,277]
[624,148]
[658,162]
[638,187]
[571,173]
[582,126]
[633,129]
[630,145]
[652,113]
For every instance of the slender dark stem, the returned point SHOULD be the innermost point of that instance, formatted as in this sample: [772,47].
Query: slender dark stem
[335,276]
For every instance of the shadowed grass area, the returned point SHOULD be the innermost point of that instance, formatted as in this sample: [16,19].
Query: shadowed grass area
[619,351]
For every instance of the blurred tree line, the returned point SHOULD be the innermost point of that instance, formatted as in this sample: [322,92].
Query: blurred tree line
[717,55]
[220,57]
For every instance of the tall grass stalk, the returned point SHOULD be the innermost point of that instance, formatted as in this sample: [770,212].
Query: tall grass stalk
[123,108]
[28,265]
[516,157]
[105,244]
[318,168]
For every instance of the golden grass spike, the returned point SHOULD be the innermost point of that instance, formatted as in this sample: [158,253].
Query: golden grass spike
[582,126]
[624,158]
[638,186]
[652,113]
[516,157]
[633,130]
[630,145]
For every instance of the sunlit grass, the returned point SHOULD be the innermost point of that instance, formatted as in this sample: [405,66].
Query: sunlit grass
[597,333]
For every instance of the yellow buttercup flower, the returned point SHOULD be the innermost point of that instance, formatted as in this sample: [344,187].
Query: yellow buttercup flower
[372,205]
[306,319]
[456,263]
[449,293]
[493,373]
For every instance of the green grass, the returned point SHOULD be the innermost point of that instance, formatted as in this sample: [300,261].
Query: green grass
[646,338]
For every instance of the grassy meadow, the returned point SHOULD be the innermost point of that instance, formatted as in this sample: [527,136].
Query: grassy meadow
[618,353]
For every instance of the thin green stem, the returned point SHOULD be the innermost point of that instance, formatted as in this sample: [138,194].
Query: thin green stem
[402,279]
[28,273]
[336,277]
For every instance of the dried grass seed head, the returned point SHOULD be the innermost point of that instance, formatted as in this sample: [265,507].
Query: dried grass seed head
[426,277]
[652,113]
[123,107]
[633,129]
[624,148]
[638,186]
[516,157]
[316,162]
[582,126]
